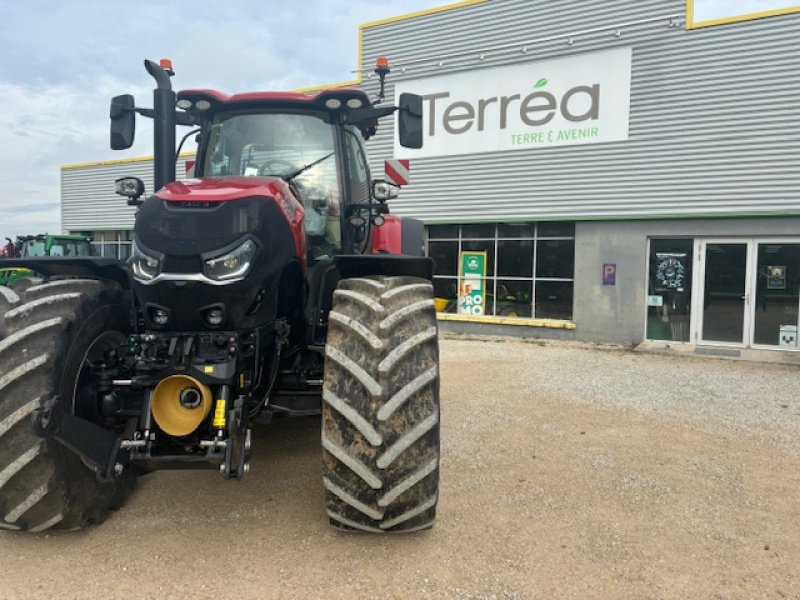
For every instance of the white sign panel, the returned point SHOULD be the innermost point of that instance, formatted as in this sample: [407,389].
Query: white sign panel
[582,99]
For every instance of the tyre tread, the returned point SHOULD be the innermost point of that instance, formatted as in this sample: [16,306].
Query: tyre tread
[40,486]
[386,392]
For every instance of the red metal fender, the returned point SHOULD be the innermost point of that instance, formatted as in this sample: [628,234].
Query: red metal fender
[388,238]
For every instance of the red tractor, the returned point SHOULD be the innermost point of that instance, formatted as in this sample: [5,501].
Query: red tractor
[273,284]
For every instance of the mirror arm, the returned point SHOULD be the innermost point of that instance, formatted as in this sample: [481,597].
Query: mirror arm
[359,115]
[184,118]
[366,119]
[181,118]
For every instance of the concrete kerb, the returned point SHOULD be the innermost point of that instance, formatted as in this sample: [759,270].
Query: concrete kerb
[687,351]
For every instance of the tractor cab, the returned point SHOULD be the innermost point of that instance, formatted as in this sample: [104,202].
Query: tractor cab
[310,143]
[53,245]
[294,139]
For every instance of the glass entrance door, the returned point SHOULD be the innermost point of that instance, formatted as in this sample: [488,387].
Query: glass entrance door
[777,295]
[725,314]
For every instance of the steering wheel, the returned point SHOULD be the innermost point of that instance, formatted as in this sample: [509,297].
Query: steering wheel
[276,166]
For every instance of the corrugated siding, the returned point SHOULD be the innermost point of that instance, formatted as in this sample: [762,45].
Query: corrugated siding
[88,201]
[714,122]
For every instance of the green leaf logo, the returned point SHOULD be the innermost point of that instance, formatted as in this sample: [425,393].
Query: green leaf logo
[541,83]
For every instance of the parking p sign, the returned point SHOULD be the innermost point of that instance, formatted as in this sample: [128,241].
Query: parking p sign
[471,284]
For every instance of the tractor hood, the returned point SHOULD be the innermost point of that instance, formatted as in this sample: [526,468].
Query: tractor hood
[223,189]
[183,235]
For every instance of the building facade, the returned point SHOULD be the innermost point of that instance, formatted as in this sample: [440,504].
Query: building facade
[613,173]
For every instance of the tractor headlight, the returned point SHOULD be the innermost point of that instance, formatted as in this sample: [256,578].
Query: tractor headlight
[144,266]
[233,264]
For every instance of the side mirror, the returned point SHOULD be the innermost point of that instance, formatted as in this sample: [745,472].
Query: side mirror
[409,124]
[382,190]
[123,122]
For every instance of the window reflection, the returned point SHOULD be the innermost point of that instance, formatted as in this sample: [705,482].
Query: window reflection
[534,276]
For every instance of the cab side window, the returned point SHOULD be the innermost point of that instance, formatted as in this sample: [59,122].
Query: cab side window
[357,169]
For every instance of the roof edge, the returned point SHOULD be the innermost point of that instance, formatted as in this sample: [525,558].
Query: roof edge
[388,21]
[117,161]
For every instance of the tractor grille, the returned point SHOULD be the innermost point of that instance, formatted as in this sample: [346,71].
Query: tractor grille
[183,264]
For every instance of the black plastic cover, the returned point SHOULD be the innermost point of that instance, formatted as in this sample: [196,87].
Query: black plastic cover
[184,233]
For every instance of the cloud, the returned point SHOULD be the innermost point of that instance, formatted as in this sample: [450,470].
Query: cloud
[707,10]
[61,64]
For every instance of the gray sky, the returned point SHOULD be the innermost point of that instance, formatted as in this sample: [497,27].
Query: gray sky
[62,62]
[707,10]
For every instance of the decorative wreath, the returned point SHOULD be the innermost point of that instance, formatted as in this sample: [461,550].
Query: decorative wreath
[670,273]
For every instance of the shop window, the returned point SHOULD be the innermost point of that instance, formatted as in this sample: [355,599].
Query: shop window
[555,258]
[513,298]
[515,258]
[447,232]
[445,255]
[477,230]
[445,292]
[526,275]
[556,229]
[516,230]
[669,295]
[553,299]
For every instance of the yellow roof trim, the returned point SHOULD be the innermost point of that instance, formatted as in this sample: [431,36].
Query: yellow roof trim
[421,13]
[319,88]
[547,323]
[117,161]
[360,61]
[691,24]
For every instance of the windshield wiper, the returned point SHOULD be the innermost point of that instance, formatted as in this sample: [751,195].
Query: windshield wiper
[300,170]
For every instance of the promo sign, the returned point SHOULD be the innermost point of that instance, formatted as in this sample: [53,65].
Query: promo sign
[581,99]
[471,280]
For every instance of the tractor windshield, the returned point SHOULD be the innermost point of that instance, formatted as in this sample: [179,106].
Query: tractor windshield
[34,248]
[299,147]
[274,144]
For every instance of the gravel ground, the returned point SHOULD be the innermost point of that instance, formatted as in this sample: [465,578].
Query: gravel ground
[567,472]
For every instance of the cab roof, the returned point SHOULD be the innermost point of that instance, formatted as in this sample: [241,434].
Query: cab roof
[313,100]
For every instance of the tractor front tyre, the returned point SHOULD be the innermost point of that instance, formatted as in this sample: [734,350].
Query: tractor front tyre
[380,408]
[51,333]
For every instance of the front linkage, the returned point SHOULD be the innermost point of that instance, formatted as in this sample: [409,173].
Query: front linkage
[174,376]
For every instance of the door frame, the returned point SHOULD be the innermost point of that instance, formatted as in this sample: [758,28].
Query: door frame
[751,340]
[698,299]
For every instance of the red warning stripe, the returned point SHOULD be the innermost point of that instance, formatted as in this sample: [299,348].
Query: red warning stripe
[398,171]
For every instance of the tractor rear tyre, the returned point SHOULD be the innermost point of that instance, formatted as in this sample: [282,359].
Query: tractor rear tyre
[51,332]
[380,409]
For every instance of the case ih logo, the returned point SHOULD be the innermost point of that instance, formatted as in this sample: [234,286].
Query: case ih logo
[581,99]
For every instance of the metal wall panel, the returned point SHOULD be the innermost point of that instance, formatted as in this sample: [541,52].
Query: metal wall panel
[88,201]
[714,120]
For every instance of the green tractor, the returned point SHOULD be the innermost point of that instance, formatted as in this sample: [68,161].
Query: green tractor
[43,245]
